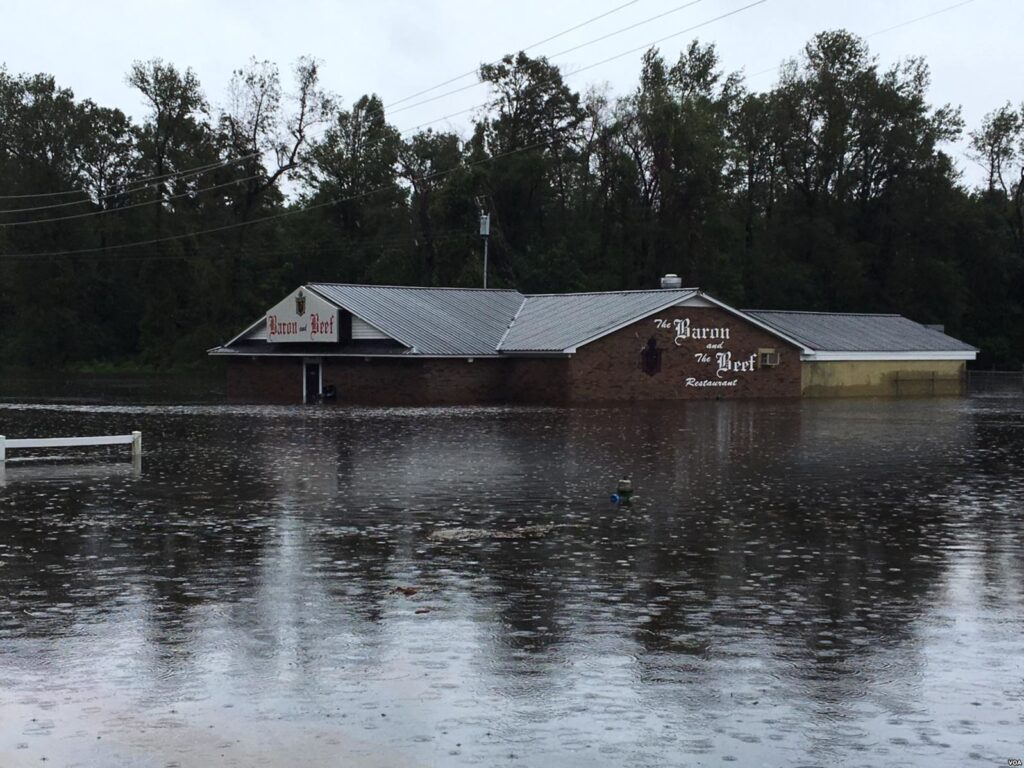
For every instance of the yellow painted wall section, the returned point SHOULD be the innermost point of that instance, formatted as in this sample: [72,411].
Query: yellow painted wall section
[893,378]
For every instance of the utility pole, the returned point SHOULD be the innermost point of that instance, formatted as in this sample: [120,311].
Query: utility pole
[485,230]
[485,233]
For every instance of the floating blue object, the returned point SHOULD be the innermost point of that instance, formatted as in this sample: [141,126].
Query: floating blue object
[624,493]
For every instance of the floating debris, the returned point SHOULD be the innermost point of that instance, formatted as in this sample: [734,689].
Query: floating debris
[474,534]
[623,493]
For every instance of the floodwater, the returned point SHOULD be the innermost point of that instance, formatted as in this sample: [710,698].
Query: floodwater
[798,584]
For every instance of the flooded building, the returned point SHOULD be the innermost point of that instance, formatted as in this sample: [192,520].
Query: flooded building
[392,345]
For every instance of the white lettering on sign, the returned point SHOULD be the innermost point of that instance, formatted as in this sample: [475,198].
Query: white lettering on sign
[727,365]
[685,331]
[694,382]
[712,352]
[302,316]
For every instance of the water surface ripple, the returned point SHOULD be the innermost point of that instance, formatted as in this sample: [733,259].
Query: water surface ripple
[811,583]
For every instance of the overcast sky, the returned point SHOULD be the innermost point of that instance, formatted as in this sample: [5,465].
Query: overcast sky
[396,48]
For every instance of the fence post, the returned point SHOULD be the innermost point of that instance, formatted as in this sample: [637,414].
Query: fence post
[136,444]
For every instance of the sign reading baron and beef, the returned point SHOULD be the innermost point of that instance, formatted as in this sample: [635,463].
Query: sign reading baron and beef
[712,352]
[303,316]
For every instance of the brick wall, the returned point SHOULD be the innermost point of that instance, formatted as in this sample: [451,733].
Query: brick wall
[438,381]
[537,380]
[265,379]
[610,368]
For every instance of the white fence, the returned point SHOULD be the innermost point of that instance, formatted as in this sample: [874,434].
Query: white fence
[134,440]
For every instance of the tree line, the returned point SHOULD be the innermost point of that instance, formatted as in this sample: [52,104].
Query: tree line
[832,191]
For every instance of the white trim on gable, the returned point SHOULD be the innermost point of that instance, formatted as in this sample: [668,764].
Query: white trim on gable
[670,303]
[362,330]
[245,333]
[355,316]
[754,321]
[695,301]
[705,301]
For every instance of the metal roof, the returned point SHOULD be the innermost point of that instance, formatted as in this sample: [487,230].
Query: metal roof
[838,332]
[563,321]
[488,322]
[431,321]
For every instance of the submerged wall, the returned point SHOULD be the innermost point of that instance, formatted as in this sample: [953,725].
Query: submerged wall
[681,353]
[276,380]
[891,378]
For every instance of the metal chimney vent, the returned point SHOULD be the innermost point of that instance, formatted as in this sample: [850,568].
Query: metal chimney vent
[671,281]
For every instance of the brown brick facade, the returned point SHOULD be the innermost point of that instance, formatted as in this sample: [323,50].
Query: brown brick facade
[434,381]
[265,379]
[609,369]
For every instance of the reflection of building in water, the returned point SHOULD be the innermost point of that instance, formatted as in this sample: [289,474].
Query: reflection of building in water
[426,346]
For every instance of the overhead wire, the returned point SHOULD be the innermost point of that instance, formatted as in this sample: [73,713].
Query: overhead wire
[272,217]
[564,32]
[868,36]
[919,18]
[526,48]
[614,33]
[221,251]
[154,182]
[106,211]
[575,72]
[298,210]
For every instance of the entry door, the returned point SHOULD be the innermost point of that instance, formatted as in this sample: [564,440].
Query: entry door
[311,394]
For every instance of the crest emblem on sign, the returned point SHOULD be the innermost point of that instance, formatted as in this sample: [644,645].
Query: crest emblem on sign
[300,304]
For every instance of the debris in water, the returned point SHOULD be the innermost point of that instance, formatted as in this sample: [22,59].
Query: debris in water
[624,492]
[473,534]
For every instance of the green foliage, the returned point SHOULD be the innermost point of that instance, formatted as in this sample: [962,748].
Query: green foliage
[831,191]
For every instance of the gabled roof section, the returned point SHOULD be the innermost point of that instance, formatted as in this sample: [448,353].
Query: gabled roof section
[558,323]
[840,332]
[431,321]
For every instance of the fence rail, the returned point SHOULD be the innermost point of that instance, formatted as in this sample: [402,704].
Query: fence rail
[134,440]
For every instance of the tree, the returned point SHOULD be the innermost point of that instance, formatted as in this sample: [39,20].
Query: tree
[999,145]
[352,178]
[255,126]
[427,161]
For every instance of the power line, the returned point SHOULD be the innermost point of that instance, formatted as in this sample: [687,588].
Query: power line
[272,217]
[527,48]
[552,56]
[367,193]
[255,154]
[919,18]
[878,32]
[604,61]
[106,211]
[337,245]
[195,171]
[668,37]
